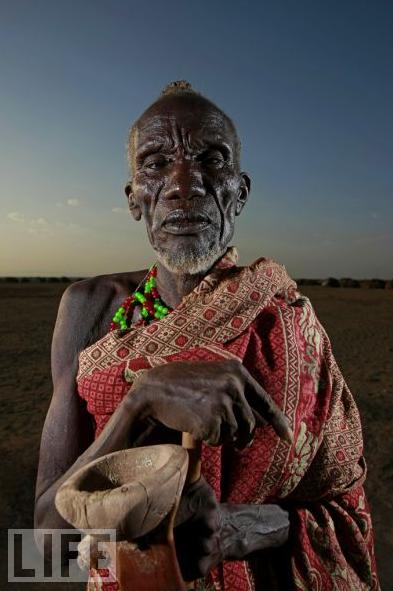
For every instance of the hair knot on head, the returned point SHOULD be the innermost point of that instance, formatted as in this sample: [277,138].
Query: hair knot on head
[177,87]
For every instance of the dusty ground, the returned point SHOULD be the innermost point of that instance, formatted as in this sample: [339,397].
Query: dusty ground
[360,325]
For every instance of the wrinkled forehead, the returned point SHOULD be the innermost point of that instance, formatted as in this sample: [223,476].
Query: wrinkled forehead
[191,120]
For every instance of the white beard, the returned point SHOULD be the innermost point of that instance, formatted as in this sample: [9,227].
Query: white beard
[191,261]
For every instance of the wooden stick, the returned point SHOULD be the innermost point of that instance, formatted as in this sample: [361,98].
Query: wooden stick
[194,448]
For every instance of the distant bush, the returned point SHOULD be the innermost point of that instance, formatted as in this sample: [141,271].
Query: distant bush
[40,279]
[330,282]
[378,283]
[308,281]
[348,282]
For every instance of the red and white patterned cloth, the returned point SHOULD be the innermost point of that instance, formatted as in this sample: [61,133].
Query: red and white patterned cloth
[256,314]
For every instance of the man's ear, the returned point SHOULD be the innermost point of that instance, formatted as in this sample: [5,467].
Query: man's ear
[132,205]
[243,193]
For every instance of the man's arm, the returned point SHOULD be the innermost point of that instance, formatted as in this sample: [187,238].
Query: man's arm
[67,430]
[67,438]
[208,533]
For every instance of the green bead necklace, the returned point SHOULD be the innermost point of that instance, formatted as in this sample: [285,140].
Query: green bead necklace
[147,297]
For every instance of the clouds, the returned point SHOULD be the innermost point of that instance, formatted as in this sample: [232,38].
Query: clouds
[38,226]
[41,227]
[19,218]
[15,216]
[71,227]
[69,219]
[71,202]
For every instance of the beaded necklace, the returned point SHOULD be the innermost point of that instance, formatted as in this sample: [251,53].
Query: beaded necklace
[147,297]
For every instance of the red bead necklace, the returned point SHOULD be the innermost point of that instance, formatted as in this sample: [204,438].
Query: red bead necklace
[146,296]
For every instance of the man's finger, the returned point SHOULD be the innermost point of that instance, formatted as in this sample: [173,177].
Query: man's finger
[267,409]
[213,436]
[246,420]
[230,426]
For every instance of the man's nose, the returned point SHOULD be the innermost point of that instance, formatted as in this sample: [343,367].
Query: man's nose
[185,181]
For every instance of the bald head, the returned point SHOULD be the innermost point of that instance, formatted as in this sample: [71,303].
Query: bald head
[180,102]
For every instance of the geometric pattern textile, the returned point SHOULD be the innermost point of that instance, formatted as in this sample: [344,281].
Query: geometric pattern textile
[256,314]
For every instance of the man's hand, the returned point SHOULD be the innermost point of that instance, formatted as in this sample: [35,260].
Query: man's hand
[206,533]
[248,528]
[197,531]
[215,401]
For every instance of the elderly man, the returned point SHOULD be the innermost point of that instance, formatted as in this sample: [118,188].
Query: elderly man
[233,355]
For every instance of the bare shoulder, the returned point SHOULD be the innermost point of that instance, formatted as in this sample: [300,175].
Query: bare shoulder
[97,291]
[85,312]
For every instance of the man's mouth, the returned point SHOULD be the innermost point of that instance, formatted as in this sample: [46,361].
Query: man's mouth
[184,222]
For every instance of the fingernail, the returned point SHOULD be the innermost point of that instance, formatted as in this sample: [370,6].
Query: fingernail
[289,435]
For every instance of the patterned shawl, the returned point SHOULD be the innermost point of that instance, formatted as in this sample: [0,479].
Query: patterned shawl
[256,315]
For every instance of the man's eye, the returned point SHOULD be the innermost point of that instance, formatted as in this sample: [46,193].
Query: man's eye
[213,161]
[156,163]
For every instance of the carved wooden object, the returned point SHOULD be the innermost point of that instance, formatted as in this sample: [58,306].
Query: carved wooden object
[137,492]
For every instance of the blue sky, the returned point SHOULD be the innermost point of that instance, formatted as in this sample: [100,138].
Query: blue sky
[308,83]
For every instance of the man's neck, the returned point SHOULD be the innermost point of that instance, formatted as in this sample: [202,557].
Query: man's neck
[172,287]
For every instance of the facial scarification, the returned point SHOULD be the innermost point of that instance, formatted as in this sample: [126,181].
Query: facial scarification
[186,181]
